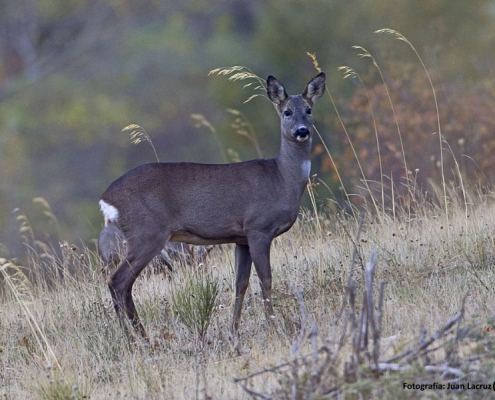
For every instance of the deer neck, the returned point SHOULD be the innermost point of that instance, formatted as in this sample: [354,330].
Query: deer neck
[294,163]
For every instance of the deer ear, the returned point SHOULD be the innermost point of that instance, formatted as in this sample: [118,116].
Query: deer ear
[315,88]
[276,91]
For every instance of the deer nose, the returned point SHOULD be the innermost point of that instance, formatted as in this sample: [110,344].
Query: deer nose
[302,131]
[302,134]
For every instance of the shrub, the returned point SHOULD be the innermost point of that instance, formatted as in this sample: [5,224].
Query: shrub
[194,302]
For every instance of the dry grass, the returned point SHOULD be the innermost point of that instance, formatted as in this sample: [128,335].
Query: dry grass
[429,266]
[59,336]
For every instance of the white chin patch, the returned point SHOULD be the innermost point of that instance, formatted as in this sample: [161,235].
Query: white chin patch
[300,138]
[110,213]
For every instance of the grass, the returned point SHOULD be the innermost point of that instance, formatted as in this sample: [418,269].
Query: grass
[429,266]
[194,302]
[365,302]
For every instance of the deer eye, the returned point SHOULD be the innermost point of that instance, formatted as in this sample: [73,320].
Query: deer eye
[287,113]
[308,111]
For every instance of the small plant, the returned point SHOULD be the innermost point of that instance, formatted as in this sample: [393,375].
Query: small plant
[194,302]
[59,388]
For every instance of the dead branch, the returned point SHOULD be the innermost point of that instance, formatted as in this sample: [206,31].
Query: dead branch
[396,367]
[411,354]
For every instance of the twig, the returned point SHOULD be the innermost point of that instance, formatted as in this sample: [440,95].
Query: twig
[314,359]
[362,342]
[350,291]
[327,361]
[280,366]
[264,371]
[342,337]
[378,333]
[384,367]
[472,271]
[253,393]
[445,369]
[424,353]
[302,333]
[412,354]
[241,351]
[463,306]
[369,274]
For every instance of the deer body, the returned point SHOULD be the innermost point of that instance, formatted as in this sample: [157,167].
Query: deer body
[226,200]
[247,203]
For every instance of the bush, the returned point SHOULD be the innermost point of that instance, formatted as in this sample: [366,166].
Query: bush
[194,302]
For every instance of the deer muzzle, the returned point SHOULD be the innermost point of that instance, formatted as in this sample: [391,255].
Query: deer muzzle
[302,134]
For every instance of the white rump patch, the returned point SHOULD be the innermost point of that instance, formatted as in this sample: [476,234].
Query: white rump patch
[306,167]
[110,213]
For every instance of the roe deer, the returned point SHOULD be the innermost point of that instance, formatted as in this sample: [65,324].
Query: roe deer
[112,245]
[247,203]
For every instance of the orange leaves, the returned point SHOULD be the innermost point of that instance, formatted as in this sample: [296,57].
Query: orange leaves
[318,149]
[326,164]
[467,119]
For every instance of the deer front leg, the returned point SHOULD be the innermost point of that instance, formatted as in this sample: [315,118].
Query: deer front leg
[243,263]
[259,248]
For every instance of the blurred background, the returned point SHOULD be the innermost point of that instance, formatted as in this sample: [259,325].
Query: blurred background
[74,73]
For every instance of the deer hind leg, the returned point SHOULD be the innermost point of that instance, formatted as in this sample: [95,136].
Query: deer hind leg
[139,254]
[259,248]
[243,263]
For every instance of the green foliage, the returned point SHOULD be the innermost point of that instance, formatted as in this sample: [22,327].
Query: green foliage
[194,301]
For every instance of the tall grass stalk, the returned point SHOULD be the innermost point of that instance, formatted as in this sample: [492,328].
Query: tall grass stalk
[138,134]
[341,182]
[366,54]
[201,121]
[21,292]
[401,37]
[351,73]
[241,73]
[348,72]
[354,73]
[318,224]
[461,181]
[244,128]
